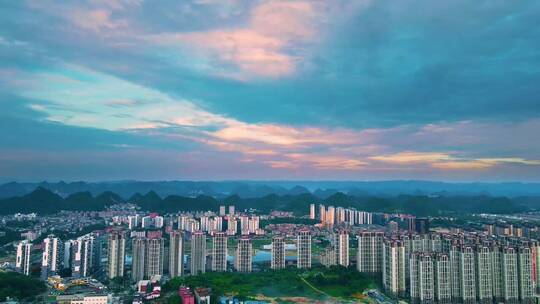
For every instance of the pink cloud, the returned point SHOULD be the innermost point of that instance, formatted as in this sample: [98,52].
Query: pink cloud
[262,47]
[288,147]
[95,20]
[252,52]
[286,135]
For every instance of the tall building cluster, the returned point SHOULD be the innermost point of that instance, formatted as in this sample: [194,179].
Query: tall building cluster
[331,216]
[452,268]
[147,255]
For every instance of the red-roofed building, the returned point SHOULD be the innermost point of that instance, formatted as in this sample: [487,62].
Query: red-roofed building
[186,295]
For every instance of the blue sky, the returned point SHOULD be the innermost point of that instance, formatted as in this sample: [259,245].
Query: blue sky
[231,89]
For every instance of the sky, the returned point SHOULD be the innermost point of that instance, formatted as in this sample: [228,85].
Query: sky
[291,90]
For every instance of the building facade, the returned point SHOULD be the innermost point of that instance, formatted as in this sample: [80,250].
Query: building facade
[278,253]
[244,255]
[303,246]
[116,250]
[219,251]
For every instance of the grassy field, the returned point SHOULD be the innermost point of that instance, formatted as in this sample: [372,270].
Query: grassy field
[317,283]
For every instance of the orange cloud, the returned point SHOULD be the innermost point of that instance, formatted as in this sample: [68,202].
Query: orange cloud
[328,161]
[449,162]
[462,165]
[285,135]
[412,157]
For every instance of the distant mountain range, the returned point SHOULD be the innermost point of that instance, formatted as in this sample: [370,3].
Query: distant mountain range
[253,189]
[45,201]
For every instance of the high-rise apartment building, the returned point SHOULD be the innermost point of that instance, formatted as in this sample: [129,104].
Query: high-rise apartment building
[232,226]
[52,256]
[422,283]
[278,253]
[22,263]
[219,251]
[443,278]
[327,257]
[138,267]
[510,281]
[303,246]
[330,216]
[340,215]
[393,267]
[222,211]
[198,253]
[254,224]
[496,269]
[176,254]
[484,274]
[133,221]
[116,254]
[244,255]
[525,274]
[421,225]
[154,256]
[322,213]
[369,256]
[312,211]
[244,225]
[455,268]
[467,273]
[341,248]
[82,263]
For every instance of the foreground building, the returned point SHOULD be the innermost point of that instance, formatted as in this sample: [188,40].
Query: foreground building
[154,256]
[422,282]
[219,252]
[244,255]
[52,256]
[22,263]
[176,254]
[369,256]
[138,246]
[278,253]
[198,253]
[341,248]
[304,249]
[82,264]
[454,268]
[116,254]
[393,267]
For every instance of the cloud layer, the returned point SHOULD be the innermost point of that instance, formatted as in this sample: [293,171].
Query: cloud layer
[270,89]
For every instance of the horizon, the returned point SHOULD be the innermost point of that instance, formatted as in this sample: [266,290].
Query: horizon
[270,90]
[7,181]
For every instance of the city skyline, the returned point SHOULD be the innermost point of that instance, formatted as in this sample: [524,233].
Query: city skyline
[491,259]
[269,90]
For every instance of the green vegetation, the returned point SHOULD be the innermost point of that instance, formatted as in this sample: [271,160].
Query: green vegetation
[340,282]
[119,284]
[315,283]
[15,285]
[9,236]
[44,201]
